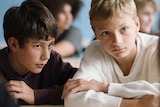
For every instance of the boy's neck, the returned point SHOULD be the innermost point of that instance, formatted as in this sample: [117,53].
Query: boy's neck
[126,63]
[13,62]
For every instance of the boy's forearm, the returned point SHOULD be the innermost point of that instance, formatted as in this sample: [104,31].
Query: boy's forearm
[136,89]
[48,96]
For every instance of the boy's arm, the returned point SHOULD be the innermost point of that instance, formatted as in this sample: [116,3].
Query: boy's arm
[128,91]
[135,89]
[92,98]
[52,95]
[5,99]
[99,99]
[61,73]
[49,96]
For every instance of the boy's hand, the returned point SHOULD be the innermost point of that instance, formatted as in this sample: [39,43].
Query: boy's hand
[20,90]
[77,85]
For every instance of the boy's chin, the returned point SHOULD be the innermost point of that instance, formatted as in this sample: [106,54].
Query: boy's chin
[36,71]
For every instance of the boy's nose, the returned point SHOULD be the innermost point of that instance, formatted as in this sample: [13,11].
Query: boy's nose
[45,54]
[117,39]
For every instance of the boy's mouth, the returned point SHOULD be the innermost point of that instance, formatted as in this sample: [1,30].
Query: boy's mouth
[40,65]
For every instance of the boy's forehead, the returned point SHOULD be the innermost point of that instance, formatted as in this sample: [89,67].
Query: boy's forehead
[49,39]
[115,20]
[114,15]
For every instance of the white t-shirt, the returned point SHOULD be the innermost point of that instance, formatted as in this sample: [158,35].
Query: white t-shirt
[143,79]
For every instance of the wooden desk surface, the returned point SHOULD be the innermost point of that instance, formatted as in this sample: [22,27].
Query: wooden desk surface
[75,61]
[43,106]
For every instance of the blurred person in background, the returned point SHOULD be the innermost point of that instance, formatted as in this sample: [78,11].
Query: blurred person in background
[146,10]
[69,40]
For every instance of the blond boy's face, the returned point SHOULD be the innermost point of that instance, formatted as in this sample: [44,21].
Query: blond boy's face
[33,56]
[117,35]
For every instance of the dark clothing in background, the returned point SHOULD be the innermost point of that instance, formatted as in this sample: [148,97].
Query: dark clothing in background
[48,84]
[72,35]
[5,99]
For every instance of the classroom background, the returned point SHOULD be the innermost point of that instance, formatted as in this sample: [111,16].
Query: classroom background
[81,22]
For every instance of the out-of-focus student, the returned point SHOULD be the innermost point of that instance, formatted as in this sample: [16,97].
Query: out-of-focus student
[145,11]
[69,40]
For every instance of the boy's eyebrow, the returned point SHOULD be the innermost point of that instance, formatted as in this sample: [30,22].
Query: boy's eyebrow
[53,42]
[123,24]
[42,41]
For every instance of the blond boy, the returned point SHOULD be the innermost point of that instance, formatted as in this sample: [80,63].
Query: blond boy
[121,68]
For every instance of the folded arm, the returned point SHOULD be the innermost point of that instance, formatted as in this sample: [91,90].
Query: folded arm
[128,94]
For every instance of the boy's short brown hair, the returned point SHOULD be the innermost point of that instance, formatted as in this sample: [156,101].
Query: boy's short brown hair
[29,20]
[104,9]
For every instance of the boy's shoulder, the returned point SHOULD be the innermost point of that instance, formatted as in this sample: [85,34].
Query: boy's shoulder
[54,55]
[94,45]
[147,38]
[4,52]
[147,42]
[55,58]
[94,49]
[4,64]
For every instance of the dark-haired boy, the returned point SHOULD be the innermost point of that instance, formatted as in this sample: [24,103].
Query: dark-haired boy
[34,72]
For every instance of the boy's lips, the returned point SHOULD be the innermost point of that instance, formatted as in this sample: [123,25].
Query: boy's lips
[40,65]
[118,49]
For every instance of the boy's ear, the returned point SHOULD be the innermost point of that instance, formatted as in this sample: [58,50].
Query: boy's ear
[137,24]
[13,44]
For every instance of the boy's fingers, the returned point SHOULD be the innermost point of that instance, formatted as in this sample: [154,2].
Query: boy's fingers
[14,88]
[70,90]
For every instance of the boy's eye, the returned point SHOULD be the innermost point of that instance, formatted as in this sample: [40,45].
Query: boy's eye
[37,46]
[50,46]
[124,29]
[106,33]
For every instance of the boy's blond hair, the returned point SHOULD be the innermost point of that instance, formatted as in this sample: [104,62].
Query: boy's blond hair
[104,9]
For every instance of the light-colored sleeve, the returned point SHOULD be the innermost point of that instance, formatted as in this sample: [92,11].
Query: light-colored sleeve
[153,64]
[92,67]
[92,99]
[135,89]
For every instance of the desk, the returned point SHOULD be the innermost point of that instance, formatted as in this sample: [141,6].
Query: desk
[43,106]
[74,61]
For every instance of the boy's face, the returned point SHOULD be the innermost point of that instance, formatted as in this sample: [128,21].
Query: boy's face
[117,35]
[64,17]
[146,16]
[33,56]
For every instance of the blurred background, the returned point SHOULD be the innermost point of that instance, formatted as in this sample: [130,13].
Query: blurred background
[81,22]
